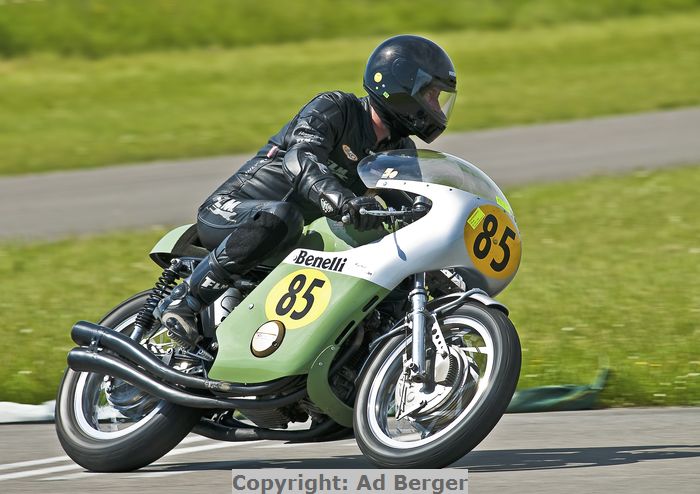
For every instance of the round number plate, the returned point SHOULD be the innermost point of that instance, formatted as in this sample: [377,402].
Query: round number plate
[299,298]
[493,241]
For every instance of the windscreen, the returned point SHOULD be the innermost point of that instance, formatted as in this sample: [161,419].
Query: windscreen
[423,165]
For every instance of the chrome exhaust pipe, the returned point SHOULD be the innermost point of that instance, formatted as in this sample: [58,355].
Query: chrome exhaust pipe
[83,360]
[85,333]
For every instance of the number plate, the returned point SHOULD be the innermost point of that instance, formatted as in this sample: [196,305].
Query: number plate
[299,298]
[493,241]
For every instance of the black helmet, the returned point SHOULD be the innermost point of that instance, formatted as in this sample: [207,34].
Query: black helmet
[412,81]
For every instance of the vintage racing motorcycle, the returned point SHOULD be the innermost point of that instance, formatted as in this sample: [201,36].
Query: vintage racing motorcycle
[393,333]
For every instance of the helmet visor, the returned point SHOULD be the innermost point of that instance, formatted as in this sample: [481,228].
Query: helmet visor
[438,99]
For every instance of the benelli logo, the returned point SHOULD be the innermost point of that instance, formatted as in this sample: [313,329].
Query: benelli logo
[330,263]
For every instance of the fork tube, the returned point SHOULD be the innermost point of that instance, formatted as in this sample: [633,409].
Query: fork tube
[419,298]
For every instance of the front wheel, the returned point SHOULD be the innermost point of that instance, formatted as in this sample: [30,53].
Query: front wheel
[404,424]
[107,425]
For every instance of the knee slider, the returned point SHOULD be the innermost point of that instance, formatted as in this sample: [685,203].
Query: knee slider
[252,241]
[293,221]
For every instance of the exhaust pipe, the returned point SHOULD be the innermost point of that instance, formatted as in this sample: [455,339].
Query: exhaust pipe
[219,432]
[85,333]
[82,360]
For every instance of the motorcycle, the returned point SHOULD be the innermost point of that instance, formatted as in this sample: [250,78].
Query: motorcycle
[392,334]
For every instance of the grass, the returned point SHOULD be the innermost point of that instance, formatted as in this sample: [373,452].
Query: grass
[67,113]
[47,287]
[98,28]
[610,272]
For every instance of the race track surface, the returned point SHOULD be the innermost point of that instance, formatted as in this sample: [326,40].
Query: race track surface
[168,193]
[605,451]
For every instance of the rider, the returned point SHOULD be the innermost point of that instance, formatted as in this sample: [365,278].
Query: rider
[308,169]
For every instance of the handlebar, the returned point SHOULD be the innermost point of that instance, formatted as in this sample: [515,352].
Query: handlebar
[378,212]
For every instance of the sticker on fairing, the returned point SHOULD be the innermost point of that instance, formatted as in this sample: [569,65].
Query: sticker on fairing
[476,218]
[332,261]
[492,241]
[390,173]
[504,204]
[299,298]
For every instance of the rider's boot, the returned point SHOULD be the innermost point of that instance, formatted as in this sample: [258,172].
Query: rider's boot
[253,240]
[178,311]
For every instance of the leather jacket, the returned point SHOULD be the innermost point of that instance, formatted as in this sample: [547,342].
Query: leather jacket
[312,161]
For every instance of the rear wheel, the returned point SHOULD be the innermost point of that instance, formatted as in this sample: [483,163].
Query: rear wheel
[105,424]
[402,424]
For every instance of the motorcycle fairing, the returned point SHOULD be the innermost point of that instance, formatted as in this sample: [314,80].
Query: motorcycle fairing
[356,276]
[324,288]
[348,300]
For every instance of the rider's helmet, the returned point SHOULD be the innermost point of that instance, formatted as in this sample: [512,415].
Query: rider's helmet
[412,85]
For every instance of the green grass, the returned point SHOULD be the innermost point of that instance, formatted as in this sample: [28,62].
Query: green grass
[610,272]
[47,287]
[65,113]
[96,28]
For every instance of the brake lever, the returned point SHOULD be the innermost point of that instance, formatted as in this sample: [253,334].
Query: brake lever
[387,213]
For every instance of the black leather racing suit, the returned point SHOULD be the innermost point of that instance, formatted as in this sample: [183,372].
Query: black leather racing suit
[306,170]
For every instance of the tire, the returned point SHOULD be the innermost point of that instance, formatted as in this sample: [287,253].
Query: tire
[161,427]
[468,411]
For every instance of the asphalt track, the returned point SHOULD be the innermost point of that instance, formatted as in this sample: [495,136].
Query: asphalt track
[605,451]
[168,193]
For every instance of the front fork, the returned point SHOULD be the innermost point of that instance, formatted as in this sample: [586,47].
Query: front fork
[416,385]
[423,321]
[419,321]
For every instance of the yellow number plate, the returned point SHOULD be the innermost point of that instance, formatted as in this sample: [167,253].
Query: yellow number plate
[299,298]
[493,241]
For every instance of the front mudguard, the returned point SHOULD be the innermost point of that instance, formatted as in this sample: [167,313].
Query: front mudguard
[453,300]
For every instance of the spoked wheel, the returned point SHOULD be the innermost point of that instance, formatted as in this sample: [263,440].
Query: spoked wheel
[107,425]
[400,423]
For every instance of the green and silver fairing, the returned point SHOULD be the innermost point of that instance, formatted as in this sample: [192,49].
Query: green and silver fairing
[325,287]
[316,301]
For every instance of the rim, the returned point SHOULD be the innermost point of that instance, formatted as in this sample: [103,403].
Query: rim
[109,408]
[465,336]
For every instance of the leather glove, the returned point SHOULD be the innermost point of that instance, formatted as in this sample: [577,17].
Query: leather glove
[362,222]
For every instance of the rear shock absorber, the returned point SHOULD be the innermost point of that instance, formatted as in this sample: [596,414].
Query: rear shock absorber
[162,288]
